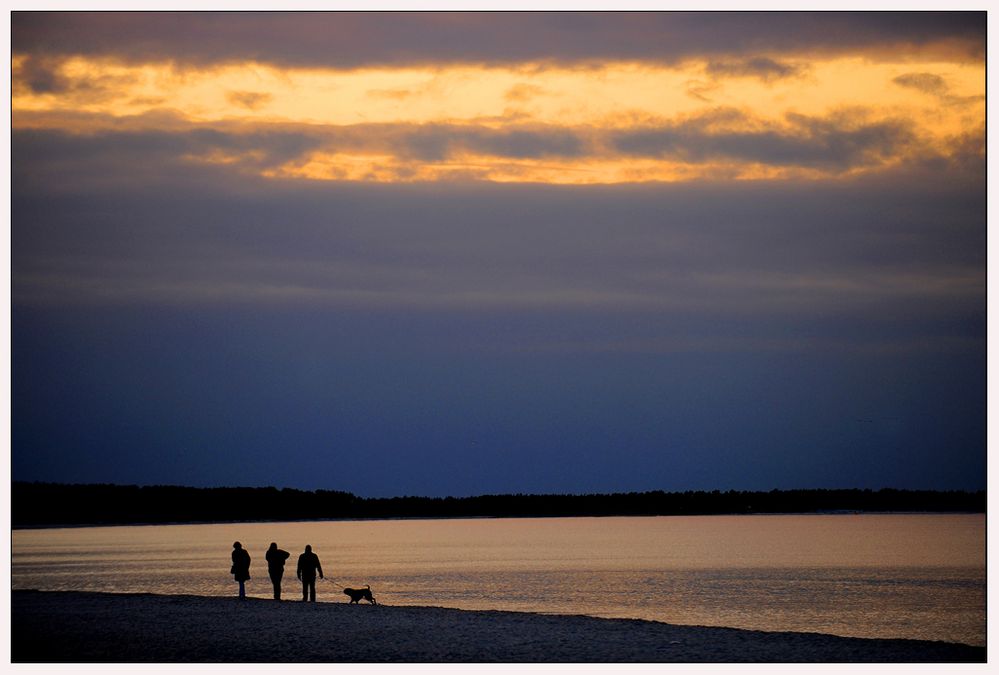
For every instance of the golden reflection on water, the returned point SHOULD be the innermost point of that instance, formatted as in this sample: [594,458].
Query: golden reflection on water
[916,576]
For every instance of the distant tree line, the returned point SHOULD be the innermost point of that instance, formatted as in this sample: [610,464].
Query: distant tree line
[47,504]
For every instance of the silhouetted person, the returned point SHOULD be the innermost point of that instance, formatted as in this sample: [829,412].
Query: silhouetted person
[275,567]
[308,565]
[240,567]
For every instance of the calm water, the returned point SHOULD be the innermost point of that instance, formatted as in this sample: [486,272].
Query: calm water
[912,576]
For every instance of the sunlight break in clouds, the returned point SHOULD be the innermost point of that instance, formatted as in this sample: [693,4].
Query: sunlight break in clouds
[530,122]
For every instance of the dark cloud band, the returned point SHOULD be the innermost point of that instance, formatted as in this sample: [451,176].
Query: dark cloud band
[833,144]
[829,144]
[353,39]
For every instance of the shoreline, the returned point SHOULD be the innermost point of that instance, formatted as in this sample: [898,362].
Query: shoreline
[77,627]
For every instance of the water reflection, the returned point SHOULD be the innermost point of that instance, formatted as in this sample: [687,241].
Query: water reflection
[917,576]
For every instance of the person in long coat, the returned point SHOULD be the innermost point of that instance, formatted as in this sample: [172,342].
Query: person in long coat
[275,566]
[240,567]
[308,565]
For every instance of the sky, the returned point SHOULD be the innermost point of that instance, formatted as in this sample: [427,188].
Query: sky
[470,253]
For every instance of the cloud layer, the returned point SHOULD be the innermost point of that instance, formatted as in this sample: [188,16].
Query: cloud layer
[353,39]
[109,233]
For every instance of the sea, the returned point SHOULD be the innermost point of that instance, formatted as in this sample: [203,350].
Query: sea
[919,576]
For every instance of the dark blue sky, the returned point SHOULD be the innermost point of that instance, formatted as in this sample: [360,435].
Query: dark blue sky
[388,404]
[181,322]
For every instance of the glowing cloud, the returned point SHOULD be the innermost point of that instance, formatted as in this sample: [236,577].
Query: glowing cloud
[744,114]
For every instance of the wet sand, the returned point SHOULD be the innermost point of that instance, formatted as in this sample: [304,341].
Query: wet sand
[58,627]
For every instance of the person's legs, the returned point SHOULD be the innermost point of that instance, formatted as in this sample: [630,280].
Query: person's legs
[305,589]
[312,589]
[276,580]
[242,590]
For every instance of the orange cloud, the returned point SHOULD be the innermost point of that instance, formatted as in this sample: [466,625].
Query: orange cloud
[757,117]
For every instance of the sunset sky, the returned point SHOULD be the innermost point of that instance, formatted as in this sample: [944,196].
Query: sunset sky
[463,253]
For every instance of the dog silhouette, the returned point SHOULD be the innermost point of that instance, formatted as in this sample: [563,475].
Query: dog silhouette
[357,594]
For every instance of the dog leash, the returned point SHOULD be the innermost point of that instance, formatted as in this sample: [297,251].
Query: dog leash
[343,588]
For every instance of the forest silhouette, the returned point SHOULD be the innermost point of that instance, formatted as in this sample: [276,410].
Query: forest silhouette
[35,504]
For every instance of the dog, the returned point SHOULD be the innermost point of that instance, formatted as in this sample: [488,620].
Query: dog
[357,594]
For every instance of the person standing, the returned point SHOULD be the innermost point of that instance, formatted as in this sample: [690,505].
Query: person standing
[275,566]
[240,567]
[308,565]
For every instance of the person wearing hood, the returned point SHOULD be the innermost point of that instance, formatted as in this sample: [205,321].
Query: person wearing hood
[240,567]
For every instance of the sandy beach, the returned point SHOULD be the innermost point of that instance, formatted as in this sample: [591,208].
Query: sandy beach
[60,627]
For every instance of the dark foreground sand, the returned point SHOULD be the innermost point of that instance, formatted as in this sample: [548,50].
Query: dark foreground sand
[54,627]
